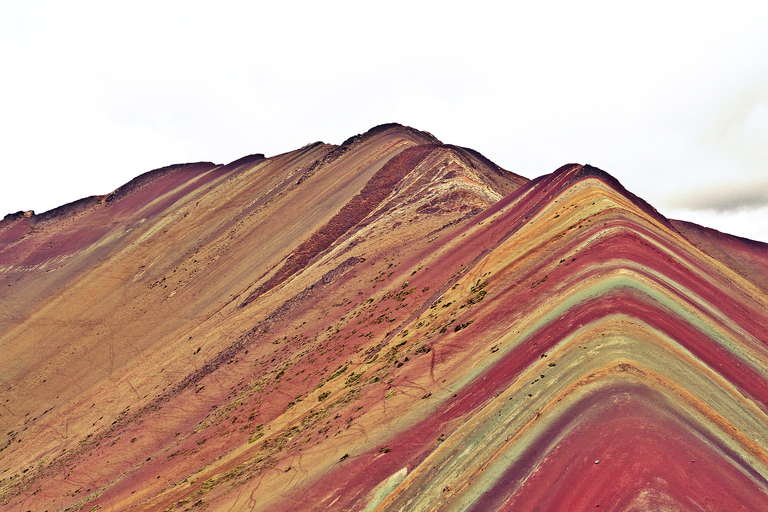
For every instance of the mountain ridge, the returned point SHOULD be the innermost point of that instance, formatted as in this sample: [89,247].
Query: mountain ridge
[398,323]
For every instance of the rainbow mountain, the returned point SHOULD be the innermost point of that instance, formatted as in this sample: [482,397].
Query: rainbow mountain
[392,323]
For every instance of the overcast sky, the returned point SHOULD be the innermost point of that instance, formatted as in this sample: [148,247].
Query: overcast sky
[669,97]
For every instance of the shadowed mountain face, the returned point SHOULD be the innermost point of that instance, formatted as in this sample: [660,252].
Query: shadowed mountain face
[389,324]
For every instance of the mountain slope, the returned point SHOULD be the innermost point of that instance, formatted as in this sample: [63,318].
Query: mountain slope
[389,324]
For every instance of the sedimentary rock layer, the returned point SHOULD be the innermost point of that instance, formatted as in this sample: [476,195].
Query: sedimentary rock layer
[390,324]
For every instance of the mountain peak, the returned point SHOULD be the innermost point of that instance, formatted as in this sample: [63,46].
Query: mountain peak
[391,323]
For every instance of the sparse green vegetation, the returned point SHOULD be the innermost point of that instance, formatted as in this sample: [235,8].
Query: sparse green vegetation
[478,292]
[256,434]
[353,379]
[341,369]
[462,326]
[423,349]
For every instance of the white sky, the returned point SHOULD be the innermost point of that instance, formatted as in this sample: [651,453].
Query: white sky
[669,97]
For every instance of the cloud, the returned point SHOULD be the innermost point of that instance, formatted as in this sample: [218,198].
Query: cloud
[725,198]
[746,224]
[741,127]
[102,92]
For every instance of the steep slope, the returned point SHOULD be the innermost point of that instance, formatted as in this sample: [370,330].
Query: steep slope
[745,257]
[606,359]
[391,324]
[154,293]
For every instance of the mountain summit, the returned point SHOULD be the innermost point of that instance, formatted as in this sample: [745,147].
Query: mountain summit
[393,323]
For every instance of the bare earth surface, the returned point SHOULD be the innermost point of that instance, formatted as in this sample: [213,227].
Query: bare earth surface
[389,324]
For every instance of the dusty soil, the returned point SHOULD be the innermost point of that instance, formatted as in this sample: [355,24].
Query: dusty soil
[392,323]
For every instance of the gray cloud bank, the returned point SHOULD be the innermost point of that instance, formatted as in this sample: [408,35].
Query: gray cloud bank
[726,198]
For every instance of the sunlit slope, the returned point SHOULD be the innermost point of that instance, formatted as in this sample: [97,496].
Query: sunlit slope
[390,324]
[607,358]
[115,368]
